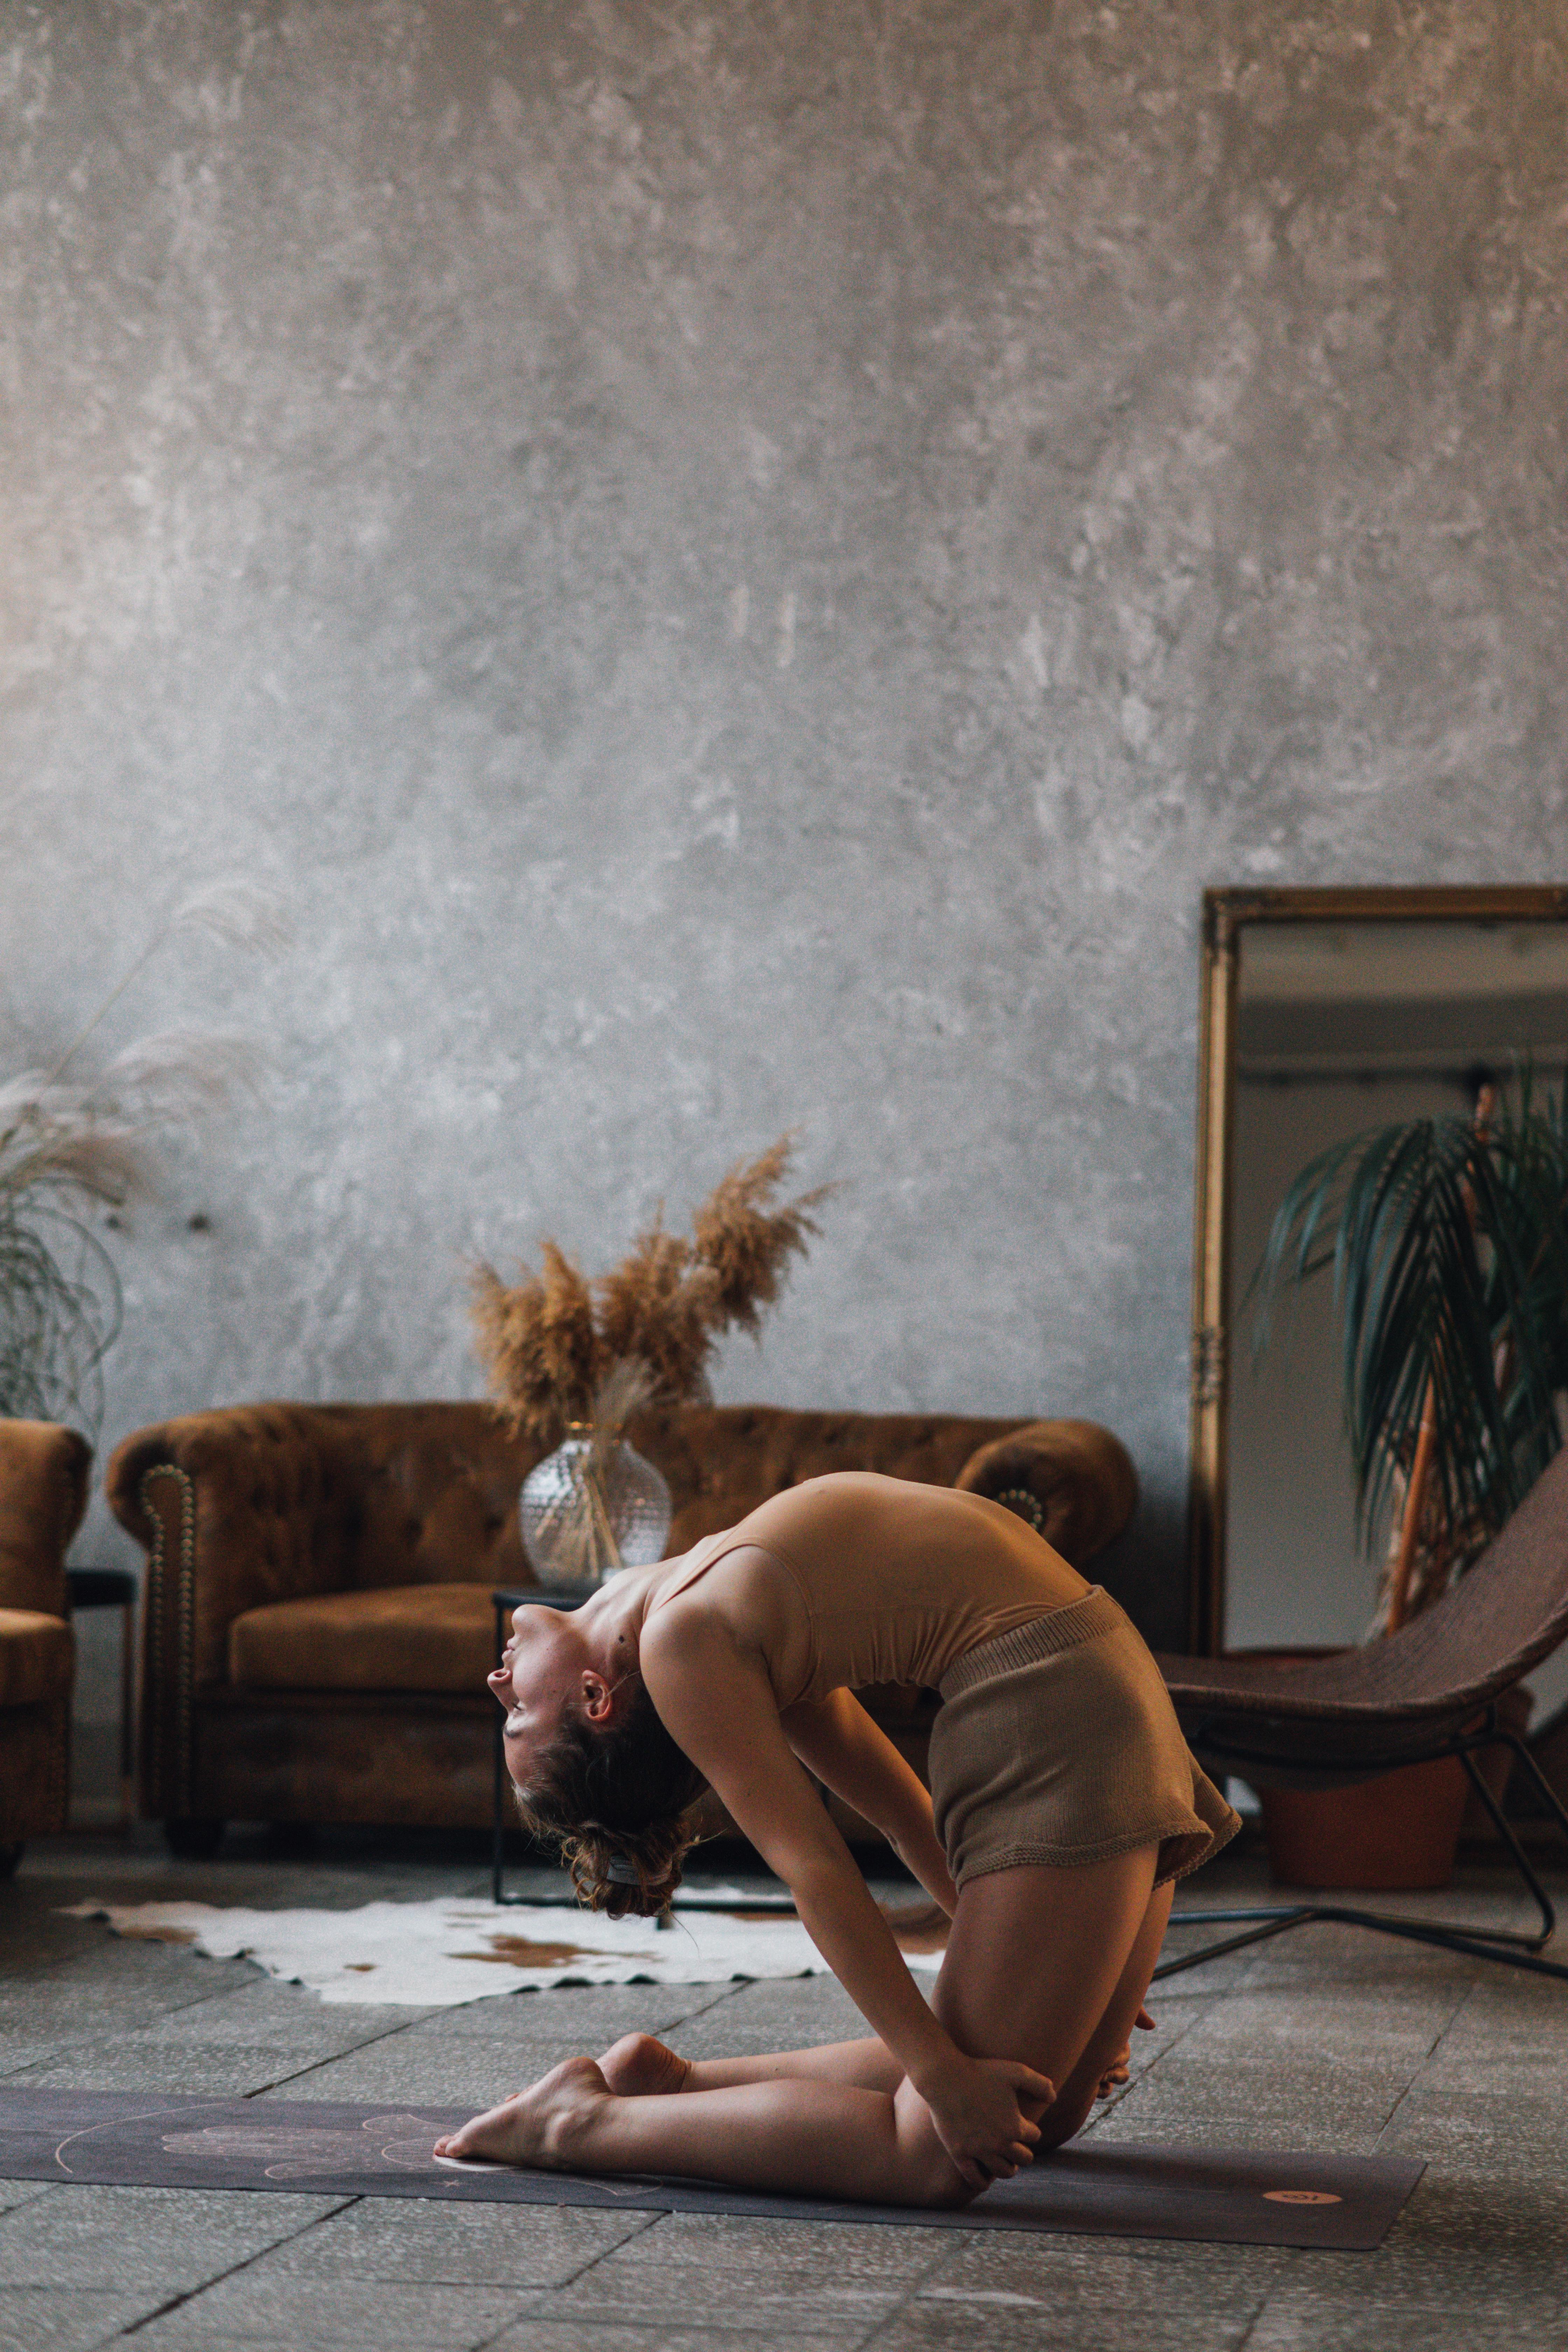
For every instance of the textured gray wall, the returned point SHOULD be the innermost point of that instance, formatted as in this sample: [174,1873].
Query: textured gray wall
[744,568]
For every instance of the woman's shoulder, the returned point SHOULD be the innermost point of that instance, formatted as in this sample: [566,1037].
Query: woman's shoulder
[738,1597]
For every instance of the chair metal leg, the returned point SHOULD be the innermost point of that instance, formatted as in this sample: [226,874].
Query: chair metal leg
[1416,1931]
[1544,1787]
[1508,1946]
[1522,1860]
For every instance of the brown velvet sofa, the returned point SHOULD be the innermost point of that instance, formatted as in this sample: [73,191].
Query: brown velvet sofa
[43,1494]
[317,1620]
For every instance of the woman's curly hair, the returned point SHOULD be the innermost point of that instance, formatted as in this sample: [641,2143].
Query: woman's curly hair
[616,1802]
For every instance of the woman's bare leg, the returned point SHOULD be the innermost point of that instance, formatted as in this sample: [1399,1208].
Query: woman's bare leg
[1040,1968]
[805,2139]
[636,2065]
[997,2001]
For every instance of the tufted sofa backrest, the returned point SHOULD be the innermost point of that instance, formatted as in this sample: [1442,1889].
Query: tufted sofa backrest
[246,1506]
[436,1486]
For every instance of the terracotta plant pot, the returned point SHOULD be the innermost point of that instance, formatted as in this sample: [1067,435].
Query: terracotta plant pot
[1400,1831]
[1394,1834]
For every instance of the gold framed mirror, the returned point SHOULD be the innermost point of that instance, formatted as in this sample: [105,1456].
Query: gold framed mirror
[1325,1012]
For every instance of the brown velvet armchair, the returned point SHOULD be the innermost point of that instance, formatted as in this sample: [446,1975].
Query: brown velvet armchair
[317,1616]
[43,1494]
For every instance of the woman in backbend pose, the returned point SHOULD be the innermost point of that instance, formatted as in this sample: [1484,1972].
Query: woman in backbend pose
[1064,1803]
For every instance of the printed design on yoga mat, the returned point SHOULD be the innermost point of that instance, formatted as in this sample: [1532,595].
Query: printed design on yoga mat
[397,2142]
[1096,2188]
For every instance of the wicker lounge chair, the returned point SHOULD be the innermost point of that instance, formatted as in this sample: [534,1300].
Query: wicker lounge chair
[1429,1690]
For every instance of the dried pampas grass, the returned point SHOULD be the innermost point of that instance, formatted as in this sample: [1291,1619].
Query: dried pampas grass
[744,1244]
[555,1346]
[69,1144]
[657,1309]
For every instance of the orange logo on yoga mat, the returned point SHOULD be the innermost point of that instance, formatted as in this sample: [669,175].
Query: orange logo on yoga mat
[1301,2197]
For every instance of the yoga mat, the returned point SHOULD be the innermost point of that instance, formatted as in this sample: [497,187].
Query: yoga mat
[1233,2196]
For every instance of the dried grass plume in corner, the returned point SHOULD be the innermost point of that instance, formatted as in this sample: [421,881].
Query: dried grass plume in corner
[560,1350]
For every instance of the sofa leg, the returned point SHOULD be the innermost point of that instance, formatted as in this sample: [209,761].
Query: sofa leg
[10,1855]
[194,1837]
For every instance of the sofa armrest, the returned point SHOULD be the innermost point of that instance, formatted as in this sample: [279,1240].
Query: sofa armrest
[235,1508]
[1082,1479]
[43,1494]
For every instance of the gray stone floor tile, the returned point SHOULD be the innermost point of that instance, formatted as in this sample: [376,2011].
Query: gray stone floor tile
[624,2336]
[798,2013]
[1474,2146]
[22,2192]
[17,2053]
[826,2278]
[125,2238]
[1083,2291]
[446,2071]
[1302,2318]
[124,1969]
[52,2319]
[195,2069]
[148,2335]
[1496,2124]
[515,2246]
[277,2016]
[1066,2274]
[598,2013]
[1306,2074]
[989,2327]
[69,2007]
[307,2312]
[1281,2019]
[1217,2123]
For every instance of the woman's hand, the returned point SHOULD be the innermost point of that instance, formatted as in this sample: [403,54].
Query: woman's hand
[983,2110]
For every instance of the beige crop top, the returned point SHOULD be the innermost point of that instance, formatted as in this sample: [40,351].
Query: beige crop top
[897,1581]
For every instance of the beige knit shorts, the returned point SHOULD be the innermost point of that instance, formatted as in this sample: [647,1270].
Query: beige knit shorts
[1057,1743]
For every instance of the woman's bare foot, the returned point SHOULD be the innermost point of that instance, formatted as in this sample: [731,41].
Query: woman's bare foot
[541,2125]
[636,2065]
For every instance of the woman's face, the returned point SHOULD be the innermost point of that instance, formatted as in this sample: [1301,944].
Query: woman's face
[540,1673]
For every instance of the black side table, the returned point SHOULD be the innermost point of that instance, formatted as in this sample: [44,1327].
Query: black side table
[506,1598]
[115,1588]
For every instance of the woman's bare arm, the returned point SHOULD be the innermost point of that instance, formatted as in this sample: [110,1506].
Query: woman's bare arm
[717,1702]
[837,1739]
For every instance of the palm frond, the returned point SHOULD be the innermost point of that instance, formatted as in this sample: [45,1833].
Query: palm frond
[1449,1250]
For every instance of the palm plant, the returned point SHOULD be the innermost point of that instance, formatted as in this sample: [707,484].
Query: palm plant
[1447,1238]
[69,1144]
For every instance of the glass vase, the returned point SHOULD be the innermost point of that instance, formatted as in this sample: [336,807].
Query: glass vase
[591,1508]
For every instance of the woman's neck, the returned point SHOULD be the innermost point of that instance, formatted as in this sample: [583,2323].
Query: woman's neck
[619,1606]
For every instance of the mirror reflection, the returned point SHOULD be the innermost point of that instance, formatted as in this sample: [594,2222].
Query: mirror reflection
[1341,1027]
